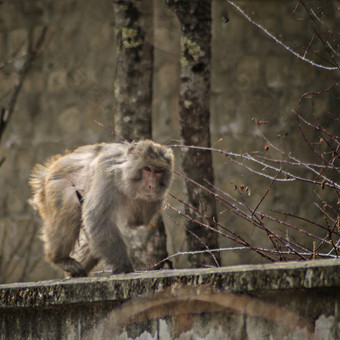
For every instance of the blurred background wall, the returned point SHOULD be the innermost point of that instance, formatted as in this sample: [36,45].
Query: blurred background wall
[71,84]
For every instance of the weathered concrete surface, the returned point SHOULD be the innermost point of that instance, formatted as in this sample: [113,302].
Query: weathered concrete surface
[297,300]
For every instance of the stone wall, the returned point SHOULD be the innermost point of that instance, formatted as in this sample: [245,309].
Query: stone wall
[71,84]
[273,301]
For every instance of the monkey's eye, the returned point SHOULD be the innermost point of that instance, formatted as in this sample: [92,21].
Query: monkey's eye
[158,172]
[146,168]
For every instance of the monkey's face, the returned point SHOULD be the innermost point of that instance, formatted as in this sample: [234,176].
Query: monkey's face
[151,180]
[152,184]
[148,170]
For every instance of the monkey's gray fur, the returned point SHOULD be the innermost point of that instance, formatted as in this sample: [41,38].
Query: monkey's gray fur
[99,189]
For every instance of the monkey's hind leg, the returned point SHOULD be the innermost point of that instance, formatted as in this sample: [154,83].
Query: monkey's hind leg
[58,246]
[83,254]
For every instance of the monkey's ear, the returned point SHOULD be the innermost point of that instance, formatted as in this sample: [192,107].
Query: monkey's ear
[169,155]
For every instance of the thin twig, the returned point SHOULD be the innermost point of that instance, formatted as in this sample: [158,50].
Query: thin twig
[6,114]
[268,189]
[279,41]
[109,130]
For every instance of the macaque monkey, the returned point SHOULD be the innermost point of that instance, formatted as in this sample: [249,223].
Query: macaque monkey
[96,191]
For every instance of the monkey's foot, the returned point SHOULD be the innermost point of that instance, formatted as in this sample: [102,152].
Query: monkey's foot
[72,268]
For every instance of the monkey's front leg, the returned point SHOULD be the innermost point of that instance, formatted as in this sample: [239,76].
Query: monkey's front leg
[101,212]
[107,243]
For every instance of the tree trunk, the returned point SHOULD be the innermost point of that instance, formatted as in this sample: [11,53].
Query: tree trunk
[195,19]
[133,96]
[133,83]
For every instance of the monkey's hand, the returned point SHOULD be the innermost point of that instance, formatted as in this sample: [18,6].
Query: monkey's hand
[124,267]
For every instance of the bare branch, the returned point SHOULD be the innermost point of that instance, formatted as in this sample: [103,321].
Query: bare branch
[6,113]
[333,68]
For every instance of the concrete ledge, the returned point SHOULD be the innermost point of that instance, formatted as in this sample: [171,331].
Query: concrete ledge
[310,289]
[238,279]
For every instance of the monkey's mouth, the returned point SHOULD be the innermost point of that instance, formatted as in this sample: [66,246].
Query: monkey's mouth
[145,196]
[149,194]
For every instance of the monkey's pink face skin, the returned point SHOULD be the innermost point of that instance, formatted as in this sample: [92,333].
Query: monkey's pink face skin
[151,181]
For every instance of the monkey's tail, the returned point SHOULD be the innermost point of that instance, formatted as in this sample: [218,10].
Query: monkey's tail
[37,178]
[36,182]
[39,174]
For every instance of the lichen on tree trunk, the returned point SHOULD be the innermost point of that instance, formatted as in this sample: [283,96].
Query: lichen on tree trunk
[195,19]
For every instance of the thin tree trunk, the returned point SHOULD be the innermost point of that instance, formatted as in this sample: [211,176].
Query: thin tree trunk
[133,96]
[133,83]
[195,19]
